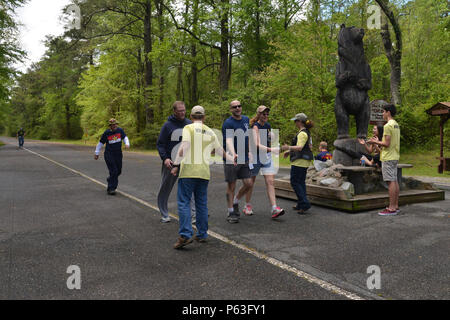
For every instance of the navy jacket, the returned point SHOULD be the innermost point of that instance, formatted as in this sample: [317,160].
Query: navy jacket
[165,144]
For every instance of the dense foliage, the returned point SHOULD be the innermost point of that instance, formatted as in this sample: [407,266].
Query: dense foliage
[10,53]
[131,59]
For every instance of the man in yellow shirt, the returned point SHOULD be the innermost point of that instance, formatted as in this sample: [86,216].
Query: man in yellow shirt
[193,160]
[390,155]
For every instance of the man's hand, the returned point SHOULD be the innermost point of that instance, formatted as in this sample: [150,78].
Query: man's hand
[275,150]
[168,163]
[96,157]
[127,146]
[174,171]
[286,154]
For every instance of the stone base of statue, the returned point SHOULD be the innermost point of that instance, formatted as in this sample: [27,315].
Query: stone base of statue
[354,188]
[348,152]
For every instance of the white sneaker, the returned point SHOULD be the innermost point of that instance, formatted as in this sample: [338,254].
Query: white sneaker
[165,219]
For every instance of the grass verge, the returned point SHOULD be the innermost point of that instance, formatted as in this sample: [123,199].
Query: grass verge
[424,161]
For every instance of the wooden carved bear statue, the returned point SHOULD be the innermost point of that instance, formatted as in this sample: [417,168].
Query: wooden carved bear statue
[353,80]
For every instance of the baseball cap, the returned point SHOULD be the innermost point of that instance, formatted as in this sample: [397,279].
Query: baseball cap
[261,109]
[300,116]
[198,110]
[112,121]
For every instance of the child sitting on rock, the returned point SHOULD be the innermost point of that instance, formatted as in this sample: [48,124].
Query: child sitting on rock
[324,154]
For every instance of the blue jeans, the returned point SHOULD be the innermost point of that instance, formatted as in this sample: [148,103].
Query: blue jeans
[21,141]
[298,178]
[198,187]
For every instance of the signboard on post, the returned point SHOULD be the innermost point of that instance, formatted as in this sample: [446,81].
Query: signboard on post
[376,112]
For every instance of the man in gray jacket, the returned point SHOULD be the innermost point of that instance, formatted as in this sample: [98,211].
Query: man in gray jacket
[167,144]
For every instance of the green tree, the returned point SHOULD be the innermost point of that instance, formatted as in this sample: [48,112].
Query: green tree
[10,53]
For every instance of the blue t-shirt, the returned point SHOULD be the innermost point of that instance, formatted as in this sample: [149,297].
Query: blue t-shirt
[324,156]
[113,140]
[238,129]
[264,138]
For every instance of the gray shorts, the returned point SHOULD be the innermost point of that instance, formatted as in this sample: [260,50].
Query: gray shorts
[232,172]
[389,170]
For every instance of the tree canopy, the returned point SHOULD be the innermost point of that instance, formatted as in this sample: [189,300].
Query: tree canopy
[131,59]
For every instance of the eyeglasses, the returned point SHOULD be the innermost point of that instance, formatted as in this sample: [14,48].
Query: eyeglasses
[238,106]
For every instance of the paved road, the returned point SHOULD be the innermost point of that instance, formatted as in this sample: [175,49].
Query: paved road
[51,218]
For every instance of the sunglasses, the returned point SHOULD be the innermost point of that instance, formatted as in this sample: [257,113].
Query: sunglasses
[234,107]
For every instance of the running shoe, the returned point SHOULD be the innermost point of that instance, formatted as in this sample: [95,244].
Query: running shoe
[277,212]
[396,210]
[387,212]
[236,209]
[248,210]
[233,218]
[165,219]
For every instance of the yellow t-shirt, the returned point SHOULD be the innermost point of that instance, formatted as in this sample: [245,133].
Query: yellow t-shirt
[391,129]
[202,141]
[302,139]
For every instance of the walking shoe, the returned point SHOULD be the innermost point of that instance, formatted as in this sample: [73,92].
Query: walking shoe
[248,210]
[300,211]
[201,240]
[397,210]
[277,212]
[233,218]
[165,219]
[181,242]
[111,192]
[387,212]
[236,209]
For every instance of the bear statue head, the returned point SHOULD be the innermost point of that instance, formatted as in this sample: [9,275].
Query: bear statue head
[350,36]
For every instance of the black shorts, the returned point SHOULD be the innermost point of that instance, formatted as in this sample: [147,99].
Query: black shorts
[232,172]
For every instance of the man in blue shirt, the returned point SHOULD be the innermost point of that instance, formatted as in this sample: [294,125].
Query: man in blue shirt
[113,138]
[235,142]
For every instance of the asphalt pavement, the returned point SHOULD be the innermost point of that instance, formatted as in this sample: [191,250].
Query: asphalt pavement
[54,213]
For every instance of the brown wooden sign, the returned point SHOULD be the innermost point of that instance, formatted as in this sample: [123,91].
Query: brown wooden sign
[376,112]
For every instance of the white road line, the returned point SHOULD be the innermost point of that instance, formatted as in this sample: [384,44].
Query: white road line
[299,273]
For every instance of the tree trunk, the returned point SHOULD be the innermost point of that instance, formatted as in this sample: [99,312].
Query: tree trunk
[394,54]
[67,121]
[179,80]
[194,67]
[224,31]
[159,7]
[258,36]
[149,112]
[140,119]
